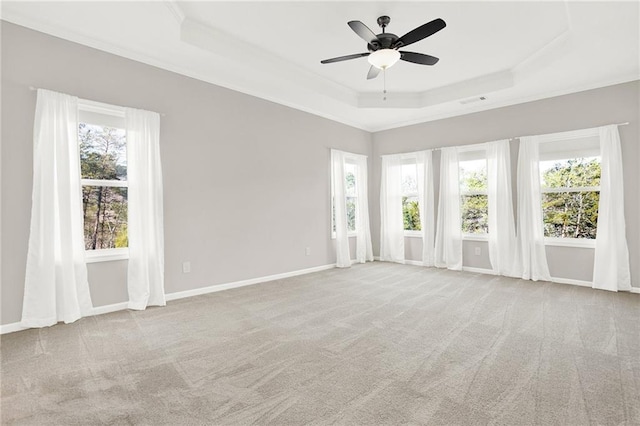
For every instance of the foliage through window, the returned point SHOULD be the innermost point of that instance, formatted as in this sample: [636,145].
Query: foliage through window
[474,200]
[410,206]
[103,162]
[570,196]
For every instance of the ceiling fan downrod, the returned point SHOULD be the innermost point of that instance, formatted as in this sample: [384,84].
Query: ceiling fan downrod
[383,21]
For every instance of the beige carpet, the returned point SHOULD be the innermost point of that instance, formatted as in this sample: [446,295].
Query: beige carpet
[375,344]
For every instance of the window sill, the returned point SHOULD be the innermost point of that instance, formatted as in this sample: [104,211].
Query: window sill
[349,235]
[413,234]
[106,255]
[570,242]
[475,237]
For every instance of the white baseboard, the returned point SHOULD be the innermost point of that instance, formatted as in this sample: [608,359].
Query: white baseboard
[478,270]
[553,279]
[406,261]
[98,310]
[243,283]
[11,328]
[572,282]
[635,290]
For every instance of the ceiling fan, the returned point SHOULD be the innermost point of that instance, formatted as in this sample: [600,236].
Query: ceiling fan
[383,48]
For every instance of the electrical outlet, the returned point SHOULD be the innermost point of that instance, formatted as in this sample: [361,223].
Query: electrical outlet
[307,251]
[186,267]
[478,250]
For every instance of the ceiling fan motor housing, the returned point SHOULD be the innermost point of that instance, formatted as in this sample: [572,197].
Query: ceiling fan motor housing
[387,41]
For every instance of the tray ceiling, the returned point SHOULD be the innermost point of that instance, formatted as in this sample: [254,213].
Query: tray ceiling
[505,52]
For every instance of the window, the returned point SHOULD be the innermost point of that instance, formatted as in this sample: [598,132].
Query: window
[474,200]
[351,195]
[570,187]
[103,166]
[410,205]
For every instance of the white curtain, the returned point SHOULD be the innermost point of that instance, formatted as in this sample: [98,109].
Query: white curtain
[426,203]
[343,257]
[502,233]
[531,259]
[56,286]
[611,263]
[364,250]
[391,220]
[145,224]
[448,245]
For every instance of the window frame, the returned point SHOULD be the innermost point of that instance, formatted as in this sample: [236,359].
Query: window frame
[569,154]
[354,233]
[111,116]
[479,151]
[411,159]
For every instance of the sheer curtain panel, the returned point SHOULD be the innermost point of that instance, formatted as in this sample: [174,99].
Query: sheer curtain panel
[364,249]
[502,232]
[145,226]
[448,245]
[343,257]
[56,286]
[531,258]
[424,162]
[391,219]
[611,263]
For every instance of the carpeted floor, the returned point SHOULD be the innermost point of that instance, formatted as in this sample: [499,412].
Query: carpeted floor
[375,344]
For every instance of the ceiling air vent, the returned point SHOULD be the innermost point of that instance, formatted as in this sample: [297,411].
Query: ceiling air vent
[472,100]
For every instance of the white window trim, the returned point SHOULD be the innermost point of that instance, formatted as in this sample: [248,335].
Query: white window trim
[101,108]
[412,234]
[570,189]
[103,255]
[570,242]
[479,150]
[470,193]
[407,232]
[475,237]
[350,234]
[411,159]
[106,255]
[102,182]
[351,159]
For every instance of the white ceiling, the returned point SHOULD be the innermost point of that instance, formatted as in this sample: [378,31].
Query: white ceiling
[508,52]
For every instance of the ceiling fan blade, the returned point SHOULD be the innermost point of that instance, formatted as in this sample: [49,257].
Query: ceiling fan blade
[421,32]
[418,58]
[373,72]
[344,58]
[364,32]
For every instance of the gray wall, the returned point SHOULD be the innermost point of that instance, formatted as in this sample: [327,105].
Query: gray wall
[246,181]
[613,104]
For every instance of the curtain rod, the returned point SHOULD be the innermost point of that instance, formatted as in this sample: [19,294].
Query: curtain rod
[512,139]
[615,124]
[33,89]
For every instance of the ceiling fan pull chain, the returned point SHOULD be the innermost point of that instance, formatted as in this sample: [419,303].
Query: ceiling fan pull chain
[384,84]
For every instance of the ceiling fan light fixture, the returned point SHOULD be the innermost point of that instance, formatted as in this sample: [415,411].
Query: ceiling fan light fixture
[384,58]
